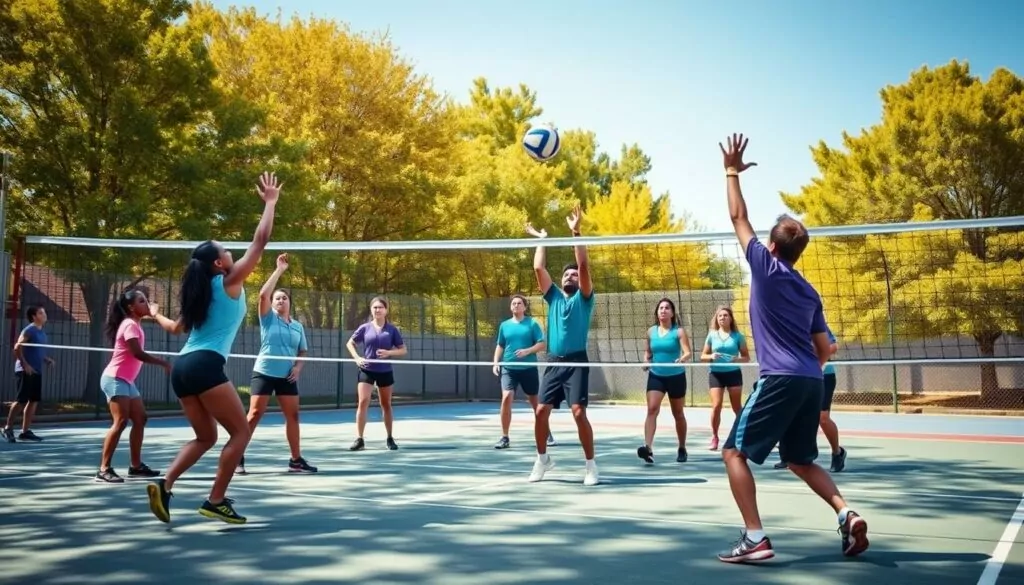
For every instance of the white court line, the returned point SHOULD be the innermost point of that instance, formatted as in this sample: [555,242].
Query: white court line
[441,495]
[709,484]
[1002,551]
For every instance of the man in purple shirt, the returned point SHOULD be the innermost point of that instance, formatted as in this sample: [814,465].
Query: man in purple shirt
[792,345]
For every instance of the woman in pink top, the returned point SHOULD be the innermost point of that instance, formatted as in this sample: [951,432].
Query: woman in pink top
[118,383]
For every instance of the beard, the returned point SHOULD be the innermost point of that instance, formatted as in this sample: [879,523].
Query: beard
[571,288]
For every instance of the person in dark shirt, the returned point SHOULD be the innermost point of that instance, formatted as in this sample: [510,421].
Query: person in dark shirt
[791,342]
[28,371]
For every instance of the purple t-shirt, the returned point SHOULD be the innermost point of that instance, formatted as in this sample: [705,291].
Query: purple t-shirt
[785,311]
[387,338]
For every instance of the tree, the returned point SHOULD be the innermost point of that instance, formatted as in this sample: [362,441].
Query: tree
[949,146]
[117,131]
[380,142]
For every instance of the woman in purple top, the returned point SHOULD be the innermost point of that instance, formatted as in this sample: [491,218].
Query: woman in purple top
[381,340]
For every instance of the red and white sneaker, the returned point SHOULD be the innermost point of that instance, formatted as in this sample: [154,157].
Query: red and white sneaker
[746,551]
[855,534]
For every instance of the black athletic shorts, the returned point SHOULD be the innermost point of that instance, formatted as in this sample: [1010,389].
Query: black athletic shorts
[725,380]
[570,384]
[264,385]
[828,392]
[196,372]
[527,378]
[783,411]
[378,379]
[30,387]
[674,386]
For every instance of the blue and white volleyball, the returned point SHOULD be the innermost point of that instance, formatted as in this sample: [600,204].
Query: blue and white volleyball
[542,142]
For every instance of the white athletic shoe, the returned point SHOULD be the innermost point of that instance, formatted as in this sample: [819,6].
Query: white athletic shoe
[591,477]
[540,468]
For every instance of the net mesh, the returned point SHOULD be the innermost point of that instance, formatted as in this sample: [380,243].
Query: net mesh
[927,315]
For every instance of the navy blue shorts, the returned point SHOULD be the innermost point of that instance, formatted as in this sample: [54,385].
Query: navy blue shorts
[783,411]
[527,378]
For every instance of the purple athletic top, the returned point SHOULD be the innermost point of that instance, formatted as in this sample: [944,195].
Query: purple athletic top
[785,311]
[387,338]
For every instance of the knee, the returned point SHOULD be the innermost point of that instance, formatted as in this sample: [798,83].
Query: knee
[207,439]
[506,397]
[729,455]
[653,410]
[798,469]
[677,413]
[363,403]
[140,419]
[119,424]
[579,413]
[256,412]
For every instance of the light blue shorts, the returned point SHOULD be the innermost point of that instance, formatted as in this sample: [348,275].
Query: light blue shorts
[114,387]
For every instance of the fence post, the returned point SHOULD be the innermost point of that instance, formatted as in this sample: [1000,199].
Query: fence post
[891,318]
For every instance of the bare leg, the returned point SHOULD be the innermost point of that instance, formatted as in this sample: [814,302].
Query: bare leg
[139,419]
[290,410]
[120,410]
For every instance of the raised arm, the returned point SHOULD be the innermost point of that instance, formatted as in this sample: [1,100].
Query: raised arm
[269,189]
[540,260]
[582,261]
[267,292]
[734,165]
[174,327]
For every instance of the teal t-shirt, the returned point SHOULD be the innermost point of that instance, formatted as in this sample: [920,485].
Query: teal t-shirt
[665,349]
[730,346]
[515,335]
[829,368]
[568,321]
[224,318]
[279,338]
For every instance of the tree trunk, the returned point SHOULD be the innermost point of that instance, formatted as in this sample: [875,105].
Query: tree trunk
[990,393]
[95,288]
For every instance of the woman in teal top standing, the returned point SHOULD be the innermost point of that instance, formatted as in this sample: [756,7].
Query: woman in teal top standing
[281,336]
[724,348]
[212,300]
[667,343]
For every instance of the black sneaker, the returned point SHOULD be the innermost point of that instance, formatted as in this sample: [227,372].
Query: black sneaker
[503,443]
[644,452]
[838,461]
[682,455]
[142,470]
[299,466]
[9,435]
[746,551]
[108,475]
[159,500]
[240,468]
[224,511]
[358,445]
[392,445]
[781,465]
[855,534]
[29,436]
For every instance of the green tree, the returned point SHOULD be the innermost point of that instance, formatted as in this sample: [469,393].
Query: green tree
[117,131]
[949,146]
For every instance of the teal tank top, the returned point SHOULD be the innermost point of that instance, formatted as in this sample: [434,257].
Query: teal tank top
[665,349]
[222,322]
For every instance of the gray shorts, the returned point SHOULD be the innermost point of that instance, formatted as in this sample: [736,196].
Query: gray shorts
[113,387]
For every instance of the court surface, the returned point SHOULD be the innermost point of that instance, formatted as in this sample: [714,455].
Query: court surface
[942,496]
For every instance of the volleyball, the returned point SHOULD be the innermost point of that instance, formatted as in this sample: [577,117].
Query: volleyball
[542,142]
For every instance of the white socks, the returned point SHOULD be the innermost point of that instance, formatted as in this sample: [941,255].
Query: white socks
[755,536]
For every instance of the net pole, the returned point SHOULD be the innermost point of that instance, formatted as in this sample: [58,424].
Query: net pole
[892,333]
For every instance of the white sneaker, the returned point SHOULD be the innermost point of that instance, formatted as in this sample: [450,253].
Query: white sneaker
[591,477]
[540,468]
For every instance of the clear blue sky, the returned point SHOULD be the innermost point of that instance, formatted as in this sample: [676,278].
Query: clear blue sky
[677,76]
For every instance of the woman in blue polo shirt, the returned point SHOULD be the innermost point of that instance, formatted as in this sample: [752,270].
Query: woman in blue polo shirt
[281,336]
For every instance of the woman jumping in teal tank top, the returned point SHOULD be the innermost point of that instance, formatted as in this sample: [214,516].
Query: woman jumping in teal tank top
[212,300]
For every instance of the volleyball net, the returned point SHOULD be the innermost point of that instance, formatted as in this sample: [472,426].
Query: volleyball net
[927,314]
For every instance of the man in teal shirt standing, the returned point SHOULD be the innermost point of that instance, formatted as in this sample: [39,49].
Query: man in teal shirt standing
[569,310]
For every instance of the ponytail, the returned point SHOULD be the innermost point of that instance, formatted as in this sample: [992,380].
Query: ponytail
[196,292]
[118,312]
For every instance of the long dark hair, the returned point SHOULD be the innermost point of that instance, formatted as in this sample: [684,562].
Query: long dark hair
[119,312]
[675,320]
[196,292]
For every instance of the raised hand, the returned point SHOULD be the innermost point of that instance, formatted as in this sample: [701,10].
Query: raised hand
[732,157]
[535,232]
[575,219]
[154,309]
[282,262]
[269,188]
